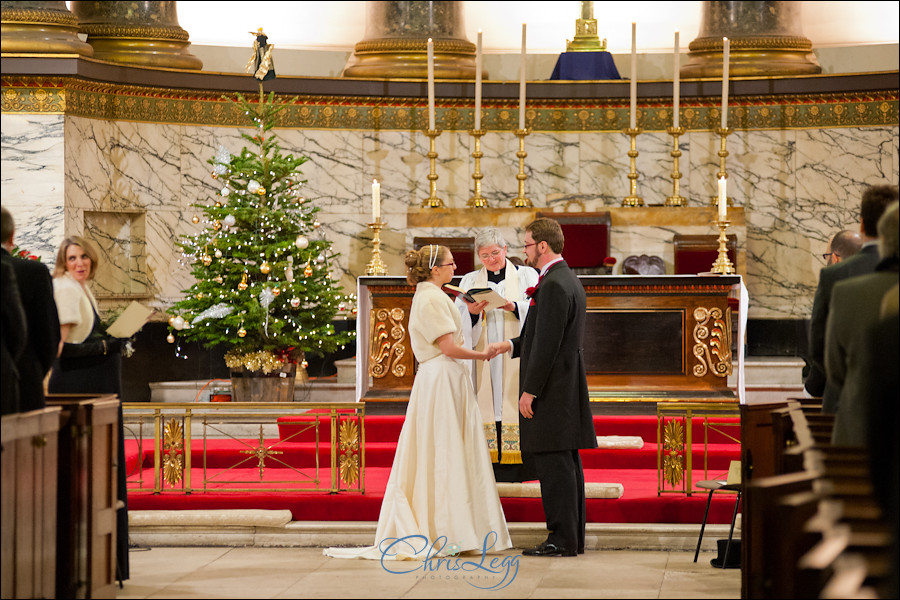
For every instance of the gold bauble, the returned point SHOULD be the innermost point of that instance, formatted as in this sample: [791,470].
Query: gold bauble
[218,279]
[206,259]
[276,291]
[304,364]
[200,296]
[218,204]
[261,191]
[218,253]
[170,338]
[172,321]
[216,225]
[242,332]
[214,175]
[195,219]
[242,286]
[265,268]
[307,271]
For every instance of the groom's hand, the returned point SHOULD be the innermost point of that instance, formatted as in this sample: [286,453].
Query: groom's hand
[525,401]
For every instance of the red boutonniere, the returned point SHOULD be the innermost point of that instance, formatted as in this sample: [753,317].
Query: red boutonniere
[530,291]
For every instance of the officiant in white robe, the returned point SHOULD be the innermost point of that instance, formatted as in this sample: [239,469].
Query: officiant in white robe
[497,381]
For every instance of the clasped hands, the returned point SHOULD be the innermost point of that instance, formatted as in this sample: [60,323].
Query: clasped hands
[496,349]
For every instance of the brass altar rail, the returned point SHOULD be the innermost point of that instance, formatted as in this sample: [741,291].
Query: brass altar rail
[674,442]
[176,428]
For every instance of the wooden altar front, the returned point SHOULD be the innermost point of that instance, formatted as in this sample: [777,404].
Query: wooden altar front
[647,338]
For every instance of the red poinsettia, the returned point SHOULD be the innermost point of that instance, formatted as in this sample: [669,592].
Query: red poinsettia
[21,253]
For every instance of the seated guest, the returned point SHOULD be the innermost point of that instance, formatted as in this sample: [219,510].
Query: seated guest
[855,308]
[874,201]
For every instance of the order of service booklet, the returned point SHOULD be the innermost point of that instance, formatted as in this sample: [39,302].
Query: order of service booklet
[130,321]
[494,300]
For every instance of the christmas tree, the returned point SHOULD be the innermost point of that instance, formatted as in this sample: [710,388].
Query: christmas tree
[263,284]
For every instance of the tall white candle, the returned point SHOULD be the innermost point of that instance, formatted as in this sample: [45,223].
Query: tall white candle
[633,107]
[522,83]
[430,47]
[478,64]
[376,201]
[676,84]
[723,200]
[725,53]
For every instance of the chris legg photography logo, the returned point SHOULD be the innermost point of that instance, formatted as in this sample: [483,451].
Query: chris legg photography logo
[443,561]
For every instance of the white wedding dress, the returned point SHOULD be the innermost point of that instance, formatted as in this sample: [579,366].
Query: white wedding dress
[441,497]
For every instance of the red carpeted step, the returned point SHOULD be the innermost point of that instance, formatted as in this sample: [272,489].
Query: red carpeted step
[640,502]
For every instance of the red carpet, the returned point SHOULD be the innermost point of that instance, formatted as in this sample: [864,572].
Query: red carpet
[635,469]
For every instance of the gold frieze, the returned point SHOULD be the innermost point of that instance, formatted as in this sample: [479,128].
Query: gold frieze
[385,324]
[712,342]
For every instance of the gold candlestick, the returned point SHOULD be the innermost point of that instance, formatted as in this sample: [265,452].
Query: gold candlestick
[675,199]
[723,265]
[723,153]
[633,199]
[376,265]
[477,201]
[432,201]
[521,201]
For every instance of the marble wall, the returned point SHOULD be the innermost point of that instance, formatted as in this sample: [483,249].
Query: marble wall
[130,186]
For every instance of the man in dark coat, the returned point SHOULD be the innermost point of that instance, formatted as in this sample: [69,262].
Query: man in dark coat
[874,201]
[41,319]
[554,412]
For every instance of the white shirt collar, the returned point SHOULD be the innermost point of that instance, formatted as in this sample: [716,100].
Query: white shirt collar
[550,264]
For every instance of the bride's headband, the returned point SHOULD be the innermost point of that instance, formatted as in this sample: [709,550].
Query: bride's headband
[432,255]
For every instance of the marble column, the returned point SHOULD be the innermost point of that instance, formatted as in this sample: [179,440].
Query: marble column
[765,39]
[40,28]
[136,33]
[395,38]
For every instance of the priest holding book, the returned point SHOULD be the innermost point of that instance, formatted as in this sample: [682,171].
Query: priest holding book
[497,381]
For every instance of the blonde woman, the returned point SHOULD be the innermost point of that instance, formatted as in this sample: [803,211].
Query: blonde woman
[441,497]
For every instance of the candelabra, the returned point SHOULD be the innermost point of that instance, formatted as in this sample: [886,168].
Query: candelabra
[376,265]
[521,201]
[477,201]
[723,153]
[723,264]
[675,199]
[432,201]
[632,199]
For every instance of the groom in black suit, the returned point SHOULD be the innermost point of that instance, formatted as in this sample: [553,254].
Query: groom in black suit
[554,413]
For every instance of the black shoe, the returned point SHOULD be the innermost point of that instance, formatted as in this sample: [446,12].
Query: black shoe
[548,549]
[581,551]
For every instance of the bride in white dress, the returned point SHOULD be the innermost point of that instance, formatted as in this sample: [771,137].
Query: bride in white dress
[441,497]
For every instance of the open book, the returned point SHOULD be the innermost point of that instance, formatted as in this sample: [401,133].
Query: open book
[494,300]
[130,321]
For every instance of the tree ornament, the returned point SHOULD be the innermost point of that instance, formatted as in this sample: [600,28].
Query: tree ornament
[225,191]
[316,224]
[214,175]
[308,270]
[217,225]
[243,284]
[218,253]
[170,338]
[195,219]
[242,332]
[304,364]
[253,186]
[218,204]
[229,221]
[320,259]
[301,242]
[295,302]
[276,291]
[178,323]
[207,259]
[218,279]
[265,268]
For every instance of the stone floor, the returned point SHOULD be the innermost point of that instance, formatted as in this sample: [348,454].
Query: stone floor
[252,572]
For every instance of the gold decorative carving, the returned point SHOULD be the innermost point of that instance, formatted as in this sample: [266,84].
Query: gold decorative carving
[713,340]
[173,443]
[384,324]
[261,452]
[138,31]
[767,42]
[419,44]
[349,446]
[673,446]
[60,17]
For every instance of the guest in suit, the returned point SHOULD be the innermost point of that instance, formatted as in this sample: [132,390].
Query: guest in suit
[855,308]
[90,361]
[14,338]
[555,415]
[874,201]
[497,381]
[41,320]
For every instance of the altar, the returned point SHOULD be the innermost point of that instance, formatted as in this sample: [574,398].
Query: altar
[673,338]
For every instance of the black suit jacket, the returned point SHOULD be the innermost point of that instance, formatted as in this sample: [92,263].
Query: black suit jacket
[860,264]
[552,366]
[36,291]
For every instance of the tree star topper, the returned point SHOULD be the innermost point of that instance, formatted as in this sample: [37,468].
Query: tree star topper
[260,63]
